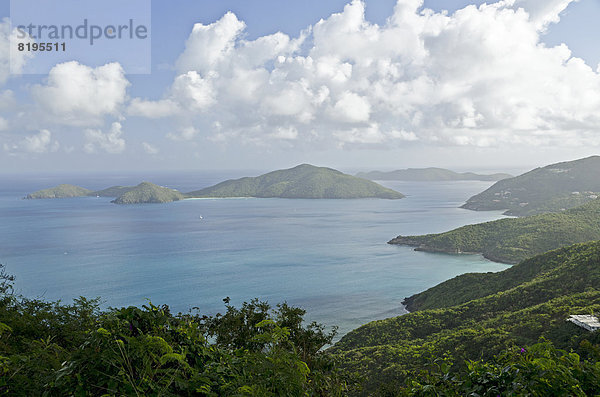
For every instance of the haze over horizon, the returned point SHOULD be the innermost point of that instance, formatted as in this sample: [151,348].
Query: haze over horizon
[353,85]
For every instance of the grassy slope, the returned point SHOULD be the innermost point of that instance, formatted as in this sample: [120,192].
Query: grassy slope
[514,239]
[303,181]
[60,191]
[147,192]
[517,312]
[429,174]
[547,189]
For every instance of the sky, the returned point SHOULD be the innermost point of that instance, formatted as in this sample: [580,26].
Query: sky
[266,84]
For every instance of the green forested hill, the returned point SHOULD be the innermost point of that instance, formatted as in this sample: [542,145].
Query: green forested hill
[113,191]
[469,286]
[429,174]
[60,191]
[549,189]
[532,300]
[514,239]
[147,192]
[304,181]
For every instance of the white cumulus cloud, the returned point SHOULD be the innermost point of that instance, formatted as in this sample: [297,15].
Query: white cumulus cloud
[77,94]
[189,93]
[208,45]
[149,148]
[111,141]
[40,143]
[192,91]
[37,143]
[352,108]
[153,109]
[11,60]
[478,77]
[543,13]
[184,134]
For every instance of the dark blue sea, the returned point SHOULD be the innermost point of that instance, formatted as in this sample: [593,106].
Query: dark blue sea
[329,257]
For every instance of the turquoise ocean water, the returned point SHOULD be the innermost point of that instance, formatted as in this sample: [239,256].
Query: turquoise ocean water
[328,256]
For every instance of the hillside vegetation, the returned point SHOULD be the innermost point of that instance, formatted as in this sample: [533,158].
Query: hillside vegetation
[537,370]
[469,286]
[515,313]
[429,175]
[113,191]
[552,188]
[514,239]
[304,181]
[147,192]
[60,191]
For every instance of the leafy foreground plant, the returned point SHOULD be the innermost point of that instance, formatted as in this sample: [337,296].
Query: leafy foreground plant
[54,349]
[51,349]
[540,370]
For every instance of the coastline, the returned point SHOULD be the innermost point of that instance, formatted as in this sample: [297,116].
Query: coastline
[218,198]
[425,248]
[338,250]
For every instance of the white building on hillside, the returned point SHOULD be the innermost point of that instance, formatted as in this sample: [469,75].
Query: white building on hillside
[590,323]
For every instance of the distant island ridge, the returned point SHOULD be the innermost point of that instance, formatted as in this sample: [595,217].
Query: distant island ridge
[145,192]
[304,181]
[430,174]
[60,191]
[301,182]
[556,187]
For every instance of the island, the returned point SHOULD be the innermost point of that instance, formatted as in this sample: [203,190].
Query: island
[477,316]
[511,240]
[60,191]
[301,182]
[430,174]
[553,188]
[113,191]
[68,191]
[149,193]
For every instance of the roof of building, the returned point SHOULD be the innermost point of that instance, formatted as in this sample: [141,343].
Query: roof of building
[588,322]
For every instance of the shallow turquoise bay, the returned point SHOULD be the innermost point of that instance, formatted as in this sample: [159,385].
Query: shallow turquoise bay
[328,256]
